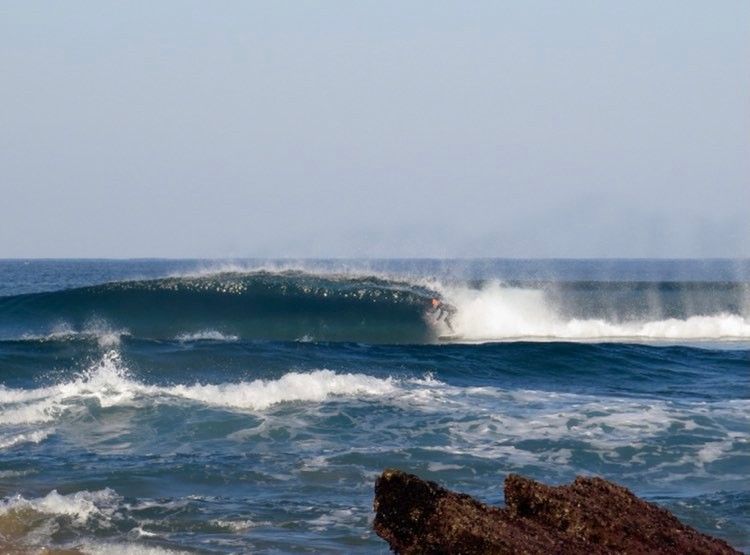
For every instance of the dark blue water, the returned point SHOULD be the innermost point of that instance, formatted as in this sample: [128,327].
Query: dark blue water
[213,407]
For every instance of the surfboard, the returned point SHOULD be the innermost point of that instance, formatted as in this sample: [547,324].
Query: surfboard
[449,337]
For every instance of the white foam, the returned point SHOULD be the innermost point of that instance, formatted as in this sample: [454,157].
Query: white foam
[28,412]
[80,506]
[107,382]
[618,430]
[9,395]
[337,518]
[98,329]
[494,419]
[439,467]
[60,331]
[36,436]
[260,394]
[206,335]
[496,313]
[4,474]
[139,532]
[714,450]
[237,526]
[104,548]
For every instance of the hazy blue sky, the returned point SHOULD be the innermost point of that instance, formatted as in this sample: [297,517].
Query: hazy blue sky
[347,128]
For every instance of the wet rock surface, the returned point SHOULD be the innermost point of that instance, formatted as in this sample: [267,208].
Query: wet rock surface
[591,515]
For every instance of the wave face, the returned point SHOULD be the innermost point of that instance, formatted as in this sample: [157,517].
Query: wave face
[303,306]
[287,305]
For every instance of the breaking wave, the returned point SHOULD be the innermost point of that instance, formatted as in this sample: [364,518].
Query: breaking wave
[108,383]
[640,312]
[301,306]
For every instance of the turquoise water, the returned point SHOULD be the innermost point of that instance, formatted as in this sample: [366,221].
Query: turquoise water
[247,407]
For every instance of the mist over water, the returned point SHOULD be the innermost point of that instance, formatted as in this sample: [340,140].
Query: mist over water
[593,311]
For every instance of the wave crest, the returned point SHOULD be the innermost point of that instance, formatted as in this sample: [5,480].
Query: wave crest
[109,384]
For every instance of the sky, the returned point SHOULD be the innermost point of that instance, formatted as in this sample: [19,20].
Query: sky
[283,128]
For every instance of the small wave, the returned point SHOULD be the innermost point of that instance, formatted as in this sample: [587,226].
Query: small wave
[316,386]
[80,506]
[107,382]
[110,384]
[11,440]
[30,525]
[96,330]
[206,335]
[237,526]
[5,474]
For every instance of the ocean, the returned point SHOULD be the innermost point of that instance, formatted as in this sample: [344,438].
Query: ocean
[247,406]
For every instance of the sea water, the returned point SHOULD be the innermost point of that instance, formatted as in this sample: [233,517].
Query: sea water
[157,406]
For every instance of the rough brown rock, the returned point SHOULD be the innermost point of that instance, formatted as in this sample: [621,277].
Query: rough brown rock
[591,515]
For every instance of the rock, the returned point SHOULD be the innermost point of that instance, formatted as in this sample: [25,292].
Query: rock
[591,515]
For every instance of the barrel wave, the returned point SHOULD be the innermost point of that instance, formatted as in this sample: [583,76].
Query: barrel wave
[296,305]
[284,306]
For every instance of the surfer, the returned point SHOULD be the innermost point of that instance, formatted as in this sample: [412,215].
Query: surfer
[443,312]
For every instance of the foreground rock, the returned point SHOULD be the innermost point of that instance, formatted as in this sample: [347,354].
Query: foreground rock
[591,515]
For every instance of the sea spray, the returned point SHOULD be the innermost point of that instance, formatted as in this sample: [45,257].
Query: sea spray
[499,312]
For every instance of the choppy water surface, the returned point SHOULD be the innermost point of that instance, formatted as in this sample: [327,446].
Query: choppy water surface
[194,406]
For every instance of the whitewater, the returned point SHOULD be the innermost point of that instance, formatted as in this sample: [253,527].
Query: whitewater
[190,406]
